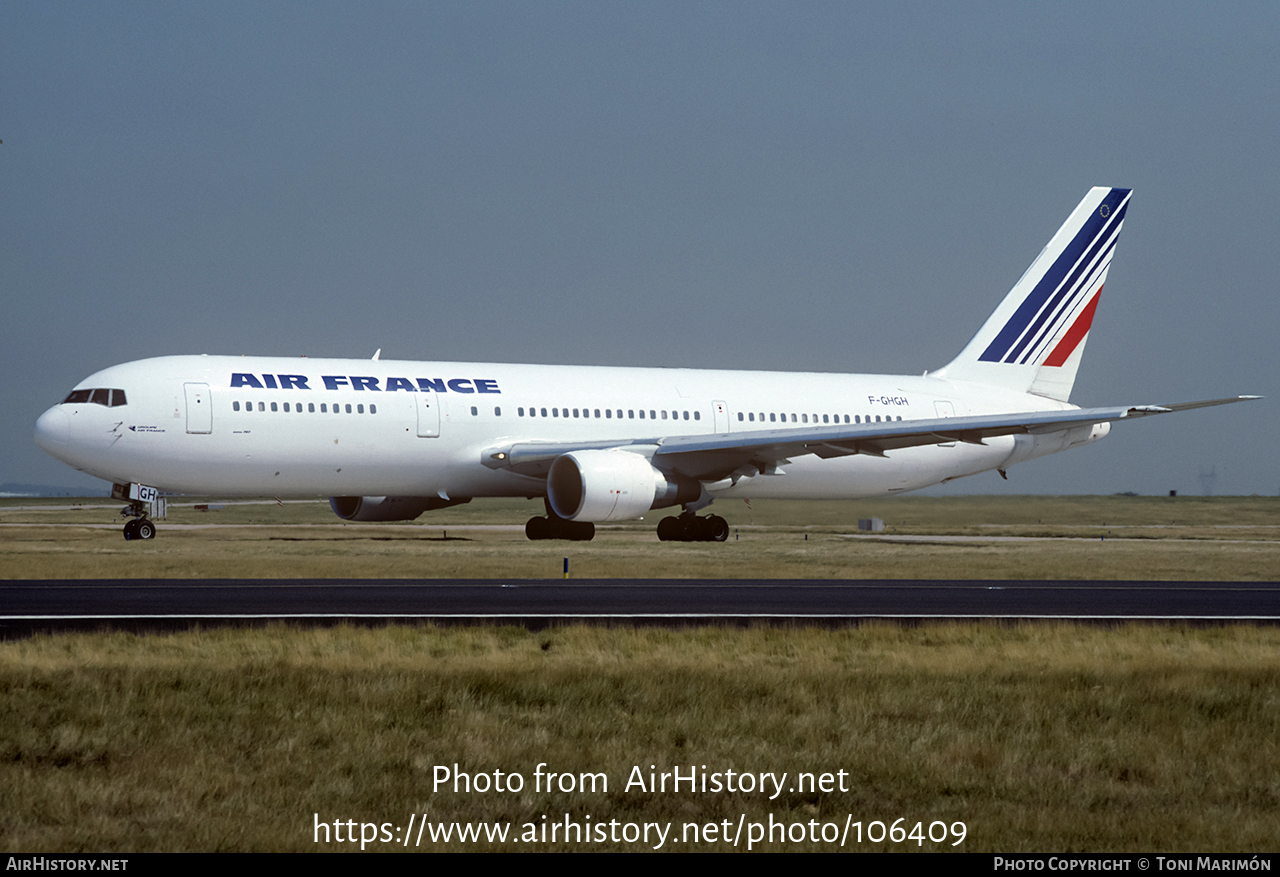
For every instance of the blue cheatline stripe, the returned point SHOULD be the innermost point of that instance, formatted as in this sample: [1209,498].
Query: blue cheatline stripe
[1104,244]
[1065,302]
[1053,278]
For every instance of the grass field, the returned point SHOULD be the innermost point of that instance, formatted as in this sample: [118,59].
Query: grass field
[1229,538]
[1037,737]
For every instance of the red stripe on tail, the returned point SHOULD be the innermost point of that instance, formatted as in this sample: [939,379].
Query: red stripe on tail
[1075,334]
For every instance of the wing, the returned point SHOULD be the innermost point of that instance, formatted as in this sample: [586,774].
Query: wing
[713,457]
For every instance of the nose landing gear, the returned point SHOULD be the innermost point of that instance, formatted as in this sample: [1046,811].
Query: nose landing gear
[139,528]
[140,498]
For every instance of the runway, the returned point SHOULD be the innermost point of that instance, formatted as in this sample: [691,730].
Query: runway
[33,606]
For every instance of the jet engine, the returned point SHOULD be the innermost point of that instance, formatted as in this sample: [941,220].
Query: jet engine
[612,485]
[387,508]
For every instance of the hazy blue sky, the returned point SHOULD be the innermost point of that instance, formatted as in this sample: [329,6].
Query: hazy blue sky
[799,186]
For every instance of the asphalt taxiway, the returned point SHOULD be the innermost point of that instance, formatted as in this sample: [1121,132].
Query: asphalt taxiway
[28,606]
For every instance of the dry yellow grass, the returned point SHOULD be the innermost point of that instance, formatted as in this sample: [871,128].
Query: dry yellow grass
[1037,737]
[1235,538]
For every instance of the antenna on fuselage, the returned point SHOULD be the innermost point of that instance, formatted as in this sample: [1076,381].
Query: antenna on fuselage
[377,353]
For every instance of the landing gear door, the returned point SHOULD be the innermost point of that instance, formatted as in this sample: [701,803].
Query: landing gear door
[199,409]
[428,414]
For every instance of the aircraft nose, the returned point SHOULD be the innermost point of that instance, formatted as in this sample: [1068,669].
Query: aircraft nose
[53,431]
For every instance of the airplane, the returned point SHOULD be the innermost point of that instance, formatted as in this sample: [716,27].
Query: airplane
[388,440]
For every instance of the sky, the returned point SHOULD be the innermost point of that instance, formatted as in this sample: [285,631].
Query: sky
[839,187]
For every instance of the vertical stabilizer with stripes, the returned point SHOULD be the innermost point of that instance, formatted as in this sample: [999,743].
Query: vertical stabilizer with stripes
[1035,339]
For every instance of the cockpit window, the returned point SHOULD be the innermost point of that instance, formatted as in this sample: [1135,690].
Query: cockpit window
[108,398]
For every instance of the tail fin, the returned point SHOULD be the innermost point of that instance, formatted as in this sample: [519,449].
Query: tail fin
[1035,339]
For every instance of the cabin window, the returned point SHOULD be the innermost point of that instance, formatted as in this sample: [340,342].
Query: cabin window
[324,409]
[373,409]
[555,412]
[697,415]
[686,415]
[497,411]
[543,413]
[286,408]
[274,407]
[474,411]
[262,406]
[235,406]
[348,407]
[311,407]
[575,412]
[359,409]
[520,412]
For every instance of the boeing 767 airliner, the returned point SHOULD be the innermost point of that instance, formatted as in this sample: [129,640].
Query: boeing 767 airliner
[388,440]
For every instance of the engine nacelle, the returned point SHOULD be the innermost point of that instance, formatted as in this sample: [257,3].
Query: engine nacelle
[612,485]
[387,508]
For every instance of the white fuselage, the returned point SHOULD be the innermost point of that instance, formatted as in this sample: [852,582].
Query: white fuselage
[339,427]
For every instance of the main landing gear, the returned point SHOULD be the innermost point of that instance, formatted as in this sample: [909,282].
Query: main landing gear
[688,527]
[555,527]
